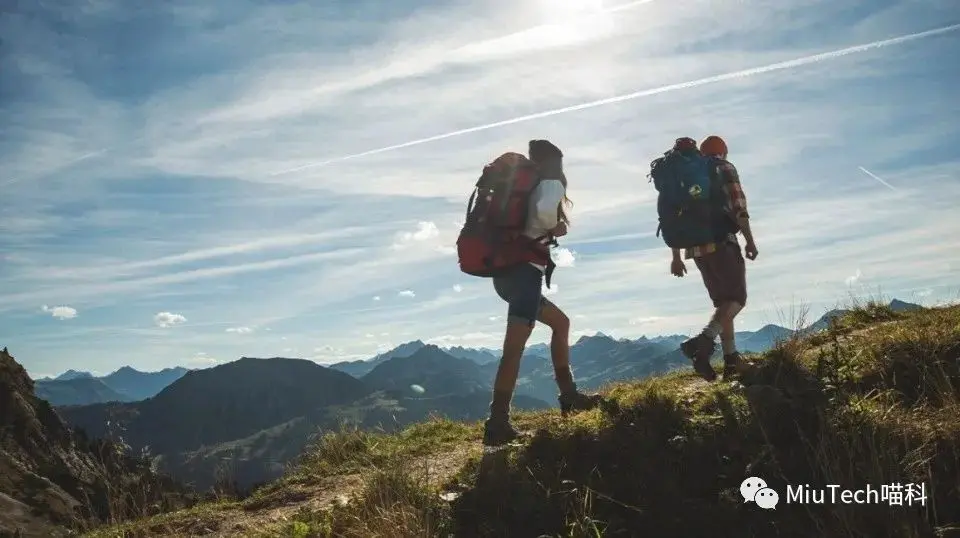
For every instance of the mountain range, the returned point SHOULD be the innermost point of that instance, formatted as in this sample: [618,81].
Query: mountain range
[600,358]
[253,415]
[246,419]
[124,385]
[129,385]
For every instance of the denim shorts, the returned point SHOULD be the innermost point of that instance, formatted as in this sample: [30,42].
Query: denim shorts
[521,289]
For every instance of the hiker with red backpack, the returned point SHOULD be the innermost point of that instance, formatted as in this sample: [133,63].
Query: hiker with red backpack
[507,236]
[701,206]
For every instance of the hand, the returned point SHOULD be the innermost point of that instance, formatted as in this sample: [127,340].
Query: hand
[678,268]
[559,230]
[751,250]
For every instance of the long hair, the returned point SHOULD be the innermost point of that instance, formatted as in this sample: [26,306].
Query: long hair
[561,214]
[550,160]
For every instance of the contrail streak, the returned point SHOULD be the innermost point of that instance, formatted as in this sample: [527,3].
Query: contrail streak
[623,7]
[874,176]
[805,60]
[67,164]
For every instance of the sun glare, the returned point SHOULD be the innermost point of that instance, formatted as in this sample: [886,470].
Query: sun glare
[565,10]
[562,23]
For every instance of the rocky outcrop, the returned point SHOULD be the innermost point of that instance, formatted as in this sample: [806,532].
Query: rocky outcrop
[53,479]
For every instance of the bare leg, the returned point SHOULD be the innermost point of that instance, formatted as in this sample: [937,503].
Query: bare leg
[559,323]
[509,369]
[725,315]
[513,344]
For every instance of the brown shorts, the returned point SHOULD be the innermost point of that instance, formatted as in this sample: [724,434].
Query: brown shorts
[724,274]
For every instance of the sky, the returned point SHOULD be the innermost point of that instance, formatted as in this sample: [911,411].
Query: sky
[187,183]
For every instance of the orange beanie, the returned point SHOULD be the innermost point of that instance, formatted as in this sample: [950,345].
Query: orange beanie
[713,145]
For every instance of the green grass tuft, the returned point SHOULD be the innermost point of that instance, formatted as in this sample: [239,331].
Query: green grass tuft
[873,400]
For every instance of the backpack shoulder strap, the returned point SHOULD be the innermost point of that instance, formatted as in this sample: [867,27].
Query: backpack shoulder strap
[473,196]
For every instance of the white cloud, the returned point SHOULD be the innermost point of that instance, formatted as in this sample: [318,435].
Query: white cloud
[239,330]
[469,339]
[305,250]
[853,279]
[563,257]
[407,293]
[202,359]
[331,354]
[457,288]
[552,290]
[426,231]
[644,320]
[168,319]
[60,312]
[376,297]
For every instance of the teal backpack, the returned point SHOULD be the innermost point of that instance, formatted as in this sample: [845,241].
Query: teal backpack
[689,203]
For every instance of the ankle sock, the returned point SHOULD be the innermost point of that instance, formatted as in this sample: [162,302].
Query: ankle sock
[712,329]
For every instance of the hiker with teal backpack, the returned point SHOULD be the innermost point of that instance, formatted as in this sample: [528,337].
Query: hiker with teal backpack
[513,218]
[701,207]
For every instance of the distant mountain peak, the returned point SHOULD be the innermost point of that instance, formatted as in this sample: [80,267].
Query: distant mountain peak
[430,367]
[127,370]
[598,336]
[772,328]
[138,385]
[902,306]
[73,374]
[359,368]
[403,350]
[13,376]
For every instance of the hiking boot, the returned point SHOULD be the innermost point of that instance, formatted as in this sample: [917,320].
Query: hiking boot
[574,402]
[732,364]
[699,349]
[498,432]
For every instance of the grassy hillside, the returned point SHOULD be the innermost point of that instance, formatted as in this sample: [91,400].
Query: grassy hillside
[872,401]
[237,425]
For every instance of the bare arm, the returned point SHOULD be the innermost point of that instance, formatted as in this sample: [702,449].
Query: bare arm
[744,222]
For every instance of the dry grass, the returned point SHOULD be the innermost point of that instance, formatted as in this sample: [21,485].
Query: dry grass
[341,469]
[872,401]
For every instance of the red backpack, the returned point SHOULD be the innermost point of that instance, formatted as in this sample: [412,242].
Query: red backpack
[491,240]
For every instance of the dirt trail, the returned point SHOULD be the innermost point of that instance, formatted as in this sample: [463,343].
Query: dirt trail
[279,508]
